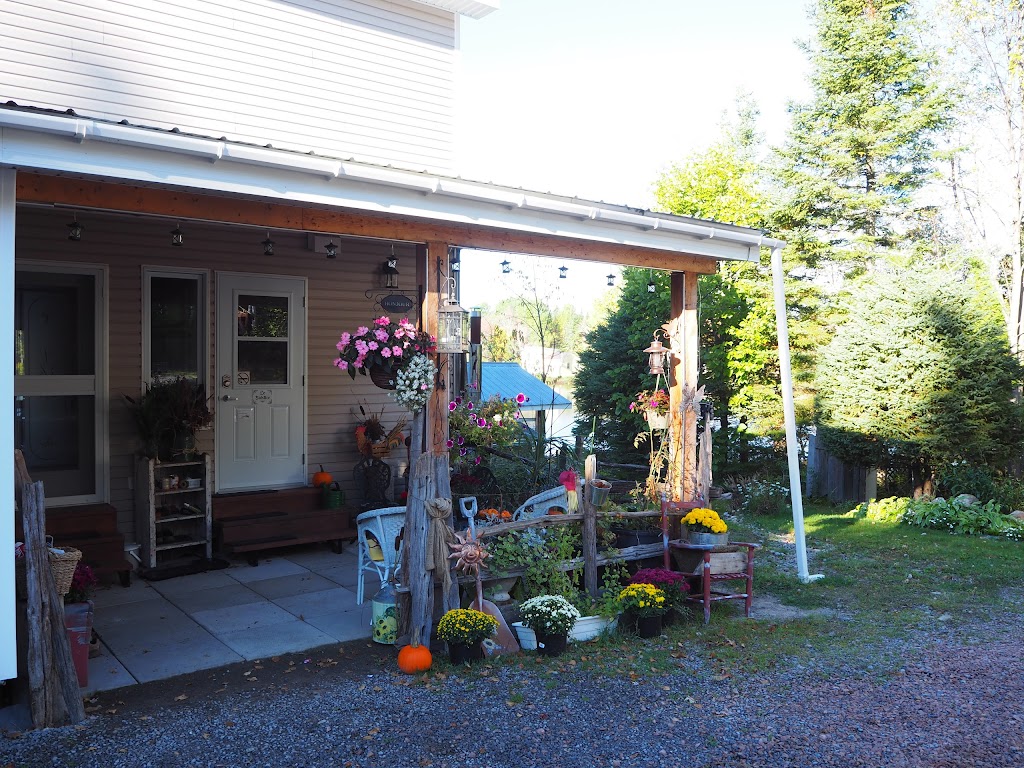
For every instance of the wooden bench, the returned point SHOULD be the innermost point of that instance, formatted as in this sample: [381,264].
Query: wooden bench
[250,523]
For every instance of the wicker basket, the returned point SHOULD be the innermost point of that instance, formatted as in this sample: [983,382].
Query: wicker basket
[62,567]
[380,450]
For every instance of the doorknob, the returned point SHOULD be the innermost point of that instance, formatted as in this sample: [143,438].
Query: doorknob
[228,398]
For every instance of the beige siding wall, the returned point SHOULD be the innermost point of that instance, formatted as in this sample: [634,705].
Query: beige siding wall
[352,78]
[336,301]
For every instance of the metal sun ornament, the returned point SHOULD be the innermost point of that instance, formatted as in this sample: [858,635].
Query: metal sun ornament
[468,553]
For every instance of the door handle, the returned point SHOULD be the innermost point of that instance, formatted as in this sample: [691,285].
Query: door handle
[228,398]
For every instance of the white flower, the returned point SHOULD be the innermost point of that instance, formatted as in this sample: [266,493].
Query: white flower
[414,383]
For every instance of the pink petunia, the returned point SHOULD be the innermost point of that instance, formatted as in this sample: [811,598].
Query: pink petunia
[458,401]
[452,405]
[477,460]
[520,398]
[449,443]
[481,422]
[461,440]
[469,405]
[463,451]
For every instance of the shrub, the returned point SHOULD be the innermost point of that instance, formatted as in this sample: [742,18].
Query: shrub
[763,497]
[951,516]
[1009,492]
[967,478]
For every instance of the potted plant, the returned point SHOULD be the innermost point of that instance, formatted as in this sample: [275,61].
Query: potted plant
[463,629]
[381,349]
[653,404]
[648,604]
[704,527]
[551,617]
[78,618]
[168,415]
[672,583]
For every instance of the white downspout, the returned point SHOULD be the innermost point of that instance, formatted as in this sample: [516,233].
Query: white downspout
[8,647]
[792,447]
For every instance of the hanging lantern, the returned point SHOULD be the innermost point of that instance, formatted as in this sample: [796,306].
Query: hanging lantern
[177,236]
[390,270]
[332,249]
[658,355]
[452,328]
[455,260]
[562,271]
[268,246]
[506,267]
[75,230]
[651,287]
[611,280]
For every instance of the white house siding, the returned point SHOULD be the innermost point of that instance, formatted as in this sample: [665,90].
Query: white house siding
[363,79]
[336,301]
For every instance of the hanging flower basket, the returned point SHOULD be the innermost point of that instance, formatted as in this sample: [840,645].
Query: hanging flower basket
[382,377]
[656,420]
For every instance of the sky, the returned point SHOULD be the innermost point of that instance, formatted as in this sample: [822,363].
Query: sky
[594,98]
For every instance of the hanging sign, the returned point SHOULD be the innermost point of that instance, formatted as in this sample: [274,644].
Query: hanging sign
[396,302]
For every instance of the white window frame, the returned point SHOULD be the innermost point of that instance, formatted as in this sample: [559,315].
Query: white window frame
[202,277]
[96,385]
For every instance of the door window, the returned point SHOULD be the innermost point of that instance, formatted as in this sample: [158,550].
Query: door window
[261,343]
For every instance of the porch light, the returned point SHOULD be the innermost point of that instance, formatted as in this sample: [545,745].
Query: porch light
[177,236]
[506,267]
[268,246]
[562,272]
[611,280]
[390,270]
[455,260]
[452,327]
[332,249]
[658,355]
[75,230]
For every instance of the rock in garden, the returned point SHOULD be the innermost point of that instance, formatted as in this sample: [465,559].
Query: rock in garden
[1019,514]
[966,500]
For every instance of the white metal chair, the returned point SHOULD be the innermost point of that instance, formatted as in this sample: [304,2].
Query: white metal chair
[539,505]
[379,533]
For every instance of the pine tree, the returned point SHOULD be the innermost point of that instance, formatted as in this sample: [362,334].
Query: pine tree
[864,144]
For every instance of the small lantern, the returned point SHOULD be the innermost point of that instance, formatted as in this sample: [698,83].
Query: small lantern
[332,249]
[75,230]
[268,246]
[658,355]
[506,267]
[651,287]
[390,270]
[455,260]
[452,331]
[562,271]
[177,236]
[611,280]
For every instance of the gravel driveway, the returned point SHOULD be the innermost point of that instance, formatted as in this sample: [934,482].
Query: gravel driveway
[952,701]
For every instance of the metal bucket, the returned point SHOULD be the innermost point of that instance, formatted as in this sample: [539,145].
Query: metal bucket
[597,492]
[333,496]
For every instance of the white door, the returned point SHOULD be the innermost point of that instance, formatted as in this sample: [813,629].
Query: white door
[260,382]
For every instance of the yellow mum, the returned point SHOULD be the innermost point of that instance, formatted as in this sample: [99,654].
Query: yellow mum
[704,519]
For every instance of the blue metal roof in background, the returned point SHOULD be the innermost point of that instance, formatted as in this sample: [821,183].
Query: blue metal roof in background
[509,379]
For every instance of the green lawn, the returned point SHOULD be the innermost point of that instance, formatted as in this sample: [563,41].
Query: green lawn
[882,585]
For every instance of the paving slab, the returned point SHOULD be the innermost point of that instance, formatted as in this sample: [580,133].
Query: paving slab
[216,597]
[344,625]
[194,582]
[107,673]
[320,558]
[136,626]
[236,618]
[177,658]
[267,569]
[109,596]
[317,603]
[290,637]
[288,586]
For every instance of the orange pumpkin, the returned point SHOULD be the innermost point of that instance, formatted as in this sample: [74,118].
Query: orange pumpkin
[414,658]
[322,478]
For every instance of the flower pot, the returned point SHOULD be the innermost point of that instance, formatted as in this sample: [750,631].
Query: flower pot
[382,377]
[78,619]
[497,590]
[527,637]
[590,627]
[629,537]
[551,645]
[656,420]
[703,539]
[597,492]
[461,653]
[648,626]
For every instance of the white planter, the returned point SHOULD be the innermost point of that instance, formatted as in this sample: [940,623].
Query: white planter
[591,627]
[527,637]
[656,420]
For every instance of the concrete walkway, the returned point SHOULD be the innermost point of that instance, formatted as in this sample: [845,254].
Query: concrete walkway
[303,598]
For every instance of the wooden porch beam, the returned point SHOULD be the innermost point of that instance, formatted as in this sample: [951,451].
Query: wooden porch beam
[156,201]
[685,368]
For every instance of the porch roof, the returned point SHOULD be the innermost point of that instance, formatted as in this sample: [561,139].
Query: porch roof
[69,144]
[510,379]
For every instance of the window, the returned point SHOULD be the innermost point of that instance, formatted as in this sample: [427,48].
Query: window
[174,337]
[59,386]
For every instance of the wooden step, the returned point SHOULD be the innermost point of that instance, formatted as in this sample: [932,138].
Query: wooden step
[227,506]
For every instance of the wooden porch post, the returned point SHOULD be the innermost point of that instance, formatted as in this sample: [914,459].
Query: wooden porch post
[683,427]
[429,471]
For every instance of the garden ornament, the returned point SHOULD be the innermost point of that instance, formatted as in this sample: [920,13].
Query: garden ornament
[568,479]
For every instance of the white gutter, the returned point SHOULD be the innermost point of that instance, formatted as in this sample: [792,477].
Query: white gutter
[350,184]
[792,447]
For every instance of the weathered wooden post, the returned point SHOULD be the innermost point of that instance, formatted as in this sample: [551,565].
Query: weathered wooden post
[589,529]
[54,695]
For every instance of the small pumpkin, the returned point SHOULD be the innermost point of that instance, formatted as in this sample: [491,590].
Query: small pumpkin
[415,658]
[322,478]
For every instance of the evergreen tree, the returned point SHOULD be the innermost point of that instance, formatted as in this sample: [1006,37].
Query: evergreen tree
[859,150]
[919,375]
